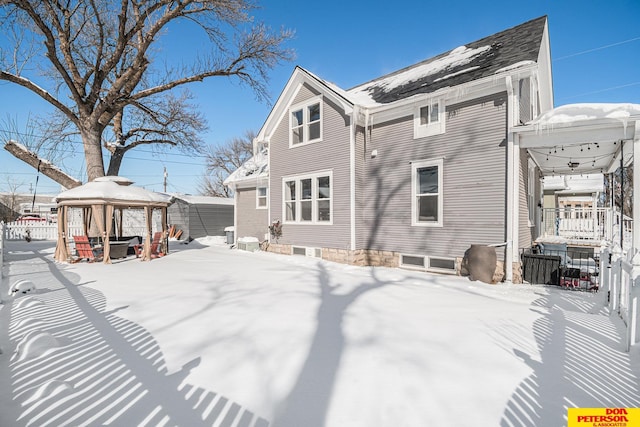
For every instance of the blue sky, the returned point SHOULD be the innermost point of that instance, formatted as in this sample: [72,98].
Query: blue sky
[595,49]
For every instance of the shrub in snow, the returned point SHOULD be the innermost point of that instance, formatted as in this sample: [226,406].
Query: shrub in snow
[276,230]
[34,344]
[22,287]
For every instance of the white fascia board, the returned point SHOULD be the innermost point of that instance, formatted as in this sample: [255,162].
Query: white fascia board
[456,94]
[249,182]
[545,76]
[600,131]
[297,79]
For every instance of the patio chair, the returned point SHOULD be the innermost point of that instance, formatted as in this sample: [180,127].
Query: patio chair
[84,250]
[156,246]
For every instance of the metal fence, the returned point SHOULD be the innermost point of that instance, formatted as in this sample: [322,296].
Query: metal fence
[571,268]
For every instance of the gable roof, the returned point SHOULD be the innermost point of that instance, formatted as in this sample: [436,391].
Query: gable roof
[519,45]
[252,170]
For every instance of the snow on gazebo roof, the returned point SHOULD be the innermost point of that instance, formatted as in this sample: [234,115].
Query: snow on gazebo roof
[114,190]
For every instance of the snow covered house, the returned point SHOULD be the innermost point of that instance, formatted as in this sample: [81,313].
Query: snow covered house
[412,168]
[250,183]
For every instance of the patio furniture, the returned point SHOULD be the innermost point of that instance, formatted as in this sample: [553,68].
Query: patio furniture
[118,249]
[156,246]
[84,250]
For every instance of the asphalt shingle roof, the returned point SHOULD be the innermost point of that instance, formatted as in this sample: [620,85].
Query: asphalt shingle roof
[480,59]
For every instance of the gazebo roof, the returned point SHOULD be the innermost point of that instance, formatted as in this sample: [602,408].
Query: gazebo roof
[112,190]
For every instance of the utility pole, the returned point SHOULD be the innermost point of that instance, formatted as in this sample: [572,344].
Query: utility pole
[165,179]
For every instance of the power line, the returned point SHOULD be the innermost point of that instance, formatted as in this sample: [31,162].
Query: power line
[602,90]
[595,49]
[78,142]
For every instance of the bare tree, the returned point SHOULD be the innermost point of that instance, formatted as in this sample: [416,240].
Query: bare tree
[619,186]
[222,160]
[10,201]
[96,66]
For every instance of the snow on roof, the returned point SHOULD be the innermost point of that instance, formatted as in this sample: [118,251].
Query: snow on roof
[515,66]
[507,50]
[586,183]
[113,189]
[457,57]
[204,200]
[256,167]
[571,113]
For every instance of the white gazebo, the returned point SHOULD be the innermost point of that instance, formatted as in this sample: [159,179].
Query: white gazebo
[100,200]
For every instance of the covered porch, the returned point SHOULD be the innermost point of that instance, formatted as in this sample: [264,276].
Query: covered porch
[580,139]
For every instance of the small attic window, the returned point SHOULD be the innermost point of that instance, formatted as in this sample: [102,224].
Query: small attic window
[428,119]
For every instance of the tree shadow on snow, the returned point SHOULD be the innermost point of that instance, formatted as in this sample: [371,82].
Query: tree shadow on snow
[101,369]
[308,401]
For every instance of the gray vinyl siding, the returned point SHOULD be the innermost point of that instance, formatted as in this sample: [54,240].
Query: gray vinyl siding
[209,220]
[525,231]
[252,222]
[330,154]
[360,152]
[178,215]
[474,180]
[200,220]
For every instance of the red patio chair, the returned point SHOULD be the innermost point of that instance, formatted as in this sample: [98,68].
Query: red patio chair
[84,250]
[156,246]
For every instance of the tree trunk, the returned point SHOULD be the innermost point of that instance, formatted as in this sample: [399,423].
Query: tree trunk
[92,141]
[117,154]
[45,167]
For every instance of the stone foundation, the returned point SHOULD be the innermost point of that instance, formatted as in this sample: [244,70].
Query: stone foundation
[362,257]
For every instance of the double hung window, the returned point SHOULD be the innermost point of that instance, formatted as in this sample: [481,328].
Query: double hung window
[426,188]
[308,199]
[305,122]
[261,198]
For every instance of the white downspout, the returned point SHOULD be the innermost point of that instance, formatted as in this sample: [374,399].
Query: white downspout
[512,185]
[352,176]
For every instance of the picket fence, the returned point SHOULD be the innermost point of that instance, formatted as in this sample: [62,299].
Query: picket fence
[619,277]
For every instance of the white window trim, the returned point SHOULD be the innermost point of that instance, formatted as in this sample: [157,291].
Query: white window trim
[414,167]
[266,197]
[420,130]
[305,121]
[314,200]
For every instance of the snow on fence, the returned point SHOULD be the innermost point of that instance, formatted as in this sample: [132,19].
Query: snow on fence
[621,280]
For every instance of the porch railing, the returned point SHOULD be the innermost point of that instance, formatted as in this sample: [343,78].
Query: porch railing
[587,223]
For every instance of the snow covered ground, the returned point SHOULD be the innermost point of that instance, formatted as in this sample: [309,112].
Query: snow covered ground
[209,336]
